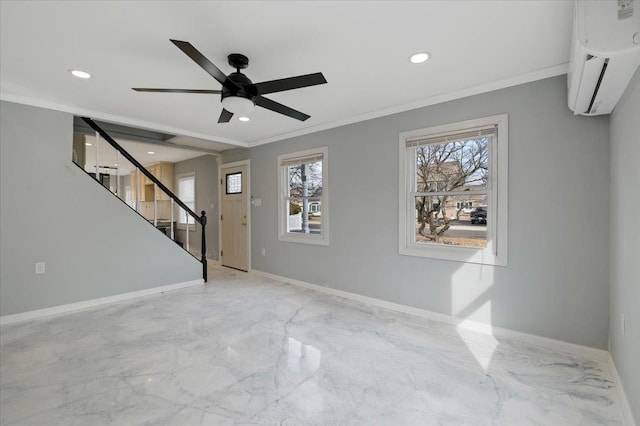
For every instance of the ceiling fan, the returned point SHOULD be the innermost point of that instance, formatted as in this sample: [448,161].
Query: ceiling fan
[239,95]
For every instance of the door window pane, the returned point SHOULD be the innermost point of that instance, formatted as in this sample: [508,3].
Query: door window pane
[234,183]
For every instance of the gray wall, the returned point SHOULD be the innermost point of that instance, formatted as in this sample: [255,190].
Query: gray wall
[93,244]
[206,170]
[557,282]
[233,155]
[625,241]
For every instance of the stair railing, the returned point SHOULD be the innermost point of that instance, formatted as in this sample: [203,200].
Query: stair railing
[202,219]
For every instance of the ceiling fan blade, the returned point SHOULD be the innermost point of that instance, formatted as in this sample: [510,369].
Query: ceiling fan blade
[290,83]
[225,116]
[279,108]
[204,63]
[144,89]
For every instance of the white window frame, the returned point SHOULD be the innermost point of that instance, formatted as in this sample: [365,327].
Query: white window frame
[283,186]
[497,224]
[192,224]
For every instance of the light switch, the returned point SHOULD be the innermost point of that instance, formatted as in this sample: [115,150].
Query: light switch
[257,202]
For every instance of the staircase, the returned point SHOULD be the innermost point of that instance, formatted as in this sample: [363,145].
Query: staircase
[160,207]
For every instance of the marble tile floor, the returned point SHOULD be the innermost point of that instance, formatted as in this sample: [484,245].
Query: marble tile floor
[251,351]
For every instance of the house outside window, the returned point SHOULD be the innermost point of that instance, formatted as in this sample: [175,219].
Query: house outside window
[303,204]
[314,208]
[453,191]
[187,194]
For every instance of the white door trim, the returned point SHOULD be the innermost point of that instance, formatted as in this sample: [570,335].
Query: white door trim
[248,199]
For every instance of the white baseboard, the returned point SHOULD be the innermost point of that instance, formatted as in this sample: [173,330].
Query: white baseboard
[71,307]
[545,342]
[626,408]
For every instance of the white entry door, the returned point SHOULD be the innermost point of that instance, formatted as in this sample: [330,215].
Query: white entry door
[235,220]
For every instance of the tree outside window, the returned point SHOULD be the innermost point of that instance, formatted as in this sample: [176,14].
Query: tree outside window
[305,191]
[449,172]
[453,191]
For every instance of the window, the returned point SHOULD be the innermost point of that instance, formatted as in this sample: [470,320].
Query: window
[303,205]
[234,183]
[453,191]
[187,194]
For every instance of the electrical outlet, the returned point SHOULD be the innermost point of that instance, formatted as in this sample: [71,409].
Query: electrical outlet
[263,251]
[622,324]
[40,267]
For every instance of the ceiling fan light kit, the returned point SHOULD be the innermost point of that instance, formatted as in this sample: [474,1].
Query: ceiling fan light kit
[238,94]
[237,104]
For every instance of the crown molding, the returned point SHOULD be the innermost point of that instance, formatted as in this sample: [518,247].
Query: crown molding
[433,100]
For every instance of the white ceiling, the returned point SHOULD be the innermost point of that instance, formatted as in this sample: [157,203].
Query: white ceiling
[361,47]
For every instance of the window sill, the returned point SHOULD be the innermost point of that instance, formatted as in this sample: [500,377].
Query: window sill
[304,239]
[456,254]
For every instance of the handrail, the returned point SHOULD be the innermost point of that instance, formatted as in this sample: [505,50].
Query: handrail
[202,220]
[140,167]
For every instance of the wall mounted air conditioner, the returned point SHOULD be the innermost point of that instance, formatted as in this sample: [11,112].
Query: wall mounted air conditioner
[605,53]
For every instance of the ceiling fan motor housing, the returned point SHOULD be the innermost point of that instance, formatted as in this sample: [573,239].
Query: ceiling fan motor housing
[246,88]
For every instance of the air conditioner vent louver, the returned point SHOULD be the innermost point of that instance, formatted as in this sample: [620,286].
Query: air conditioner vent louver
[604,57]
[593,105]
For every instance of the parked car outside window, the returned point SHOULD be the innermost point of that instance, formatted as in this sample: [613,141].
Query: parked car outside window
[479,215]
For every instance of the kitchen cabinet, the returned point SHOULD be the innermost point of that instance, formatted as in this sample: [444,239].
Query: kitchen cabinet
[162,171]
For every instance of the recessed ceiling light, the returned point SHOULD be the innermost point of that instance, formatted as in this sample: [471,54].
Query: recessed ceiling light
[88,143]
[243,118]
[419,58]
[80,74]
[151,152]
